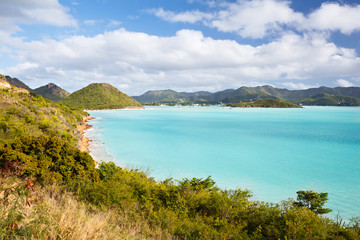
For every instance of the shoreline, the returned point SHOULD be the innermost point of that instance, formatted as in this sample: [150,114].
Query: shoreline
[84,141]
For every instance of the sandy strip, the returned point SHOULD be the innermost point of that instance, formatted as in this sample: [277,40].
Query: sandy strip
[84,142]
[134,108]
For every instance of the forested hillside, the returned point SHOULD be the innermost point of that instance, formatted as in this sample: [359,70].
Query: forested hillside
[99,96]
[250,94]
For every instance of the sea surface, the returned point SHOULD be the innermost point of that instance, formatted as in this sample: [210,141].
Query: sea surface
[272,152]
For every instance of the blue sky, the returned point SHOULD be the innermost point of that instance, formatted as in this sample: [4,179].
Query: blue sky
[188,45]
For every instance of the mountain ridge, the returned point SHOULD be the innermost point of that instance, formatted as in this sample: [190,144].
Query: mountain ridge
[244,94]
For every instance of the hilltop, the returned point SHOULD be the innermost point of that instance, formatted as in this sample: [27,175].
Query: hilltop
[52,92]
[99,96]
[266,103]
[17,83]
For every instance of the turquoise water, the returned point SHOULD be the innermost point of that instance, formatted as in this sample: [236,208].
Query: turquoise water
[272,152]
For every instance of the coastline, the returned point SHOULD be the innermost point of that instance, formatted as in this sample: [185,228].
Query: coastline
[134,107]
[84,141]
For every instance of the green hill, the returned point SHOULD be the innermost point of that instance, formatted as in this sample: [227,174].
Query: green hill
[266,103]
[23,113]
[325,99]
[52,92]
[162,96]
[99,96]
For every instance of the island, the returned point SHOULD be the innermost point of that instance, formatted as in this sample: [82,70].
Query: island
[265,103]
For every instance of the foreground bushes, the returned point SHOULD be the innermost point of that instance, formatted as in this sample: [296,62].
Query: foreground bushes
[138,206]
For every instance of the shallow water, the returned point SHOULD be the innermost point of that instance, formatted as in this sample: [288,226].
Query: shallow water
[272,152]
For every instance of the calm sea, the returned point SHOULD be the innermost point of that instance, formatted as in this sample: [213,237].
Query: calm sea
[272,152]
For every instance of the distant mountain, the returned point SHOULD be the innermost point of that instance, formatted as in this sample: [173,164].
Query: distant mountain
[52,92]
[17,83]
[99,96]
[243,94]
[324,99]
[159,96]
[266,103]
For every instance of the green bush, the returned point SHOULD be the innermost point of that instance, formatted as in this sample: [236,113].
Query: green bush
[49,159]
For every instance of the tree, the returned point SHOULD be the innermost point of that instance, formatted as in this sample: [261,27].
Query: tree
[313,201]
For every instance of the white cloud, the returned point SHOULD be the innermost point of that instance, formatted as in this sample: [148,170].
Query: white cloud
[334,17]
[344,83]
[255,19]
[260,18]
[186,17]
[188,60]
[48,12]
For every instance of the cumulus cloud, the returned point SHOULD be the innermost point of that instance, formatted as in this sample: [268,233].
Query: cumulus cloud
[260,18]
[186,61]
[255,18]
[344,83]
[49,12]
[334,17]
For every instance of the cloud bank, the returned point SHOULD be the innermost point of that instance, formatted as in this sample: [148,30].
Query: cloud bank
[259,18]
[48,12]
[187,60]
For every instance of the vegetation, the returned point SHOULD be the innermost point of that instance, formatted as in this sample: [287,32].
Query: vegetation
[23,114]
[51,190]
[129,204]
[51,92]
[266,103]
[313,201]
[325,99]
[247,94]
[99,96]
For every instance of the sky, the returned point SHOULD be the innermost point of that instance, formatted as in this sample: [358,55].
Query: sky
[184,45]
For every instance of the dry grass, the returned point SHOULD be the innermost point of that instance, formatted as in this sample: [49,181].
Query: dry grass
[57,214]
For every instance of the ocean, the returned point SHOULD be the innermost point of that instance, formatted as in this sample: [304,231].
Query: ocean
[272,152]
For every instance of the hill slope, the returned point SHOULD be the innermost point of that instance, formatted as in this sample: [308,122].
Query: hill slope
[159,96]
[243,94]
[325,99]
[17,83]
[52,92]
[99,96]
[23,113]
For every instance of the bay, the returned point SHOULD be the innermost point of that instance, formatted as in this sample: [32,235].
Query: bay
[272,152]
